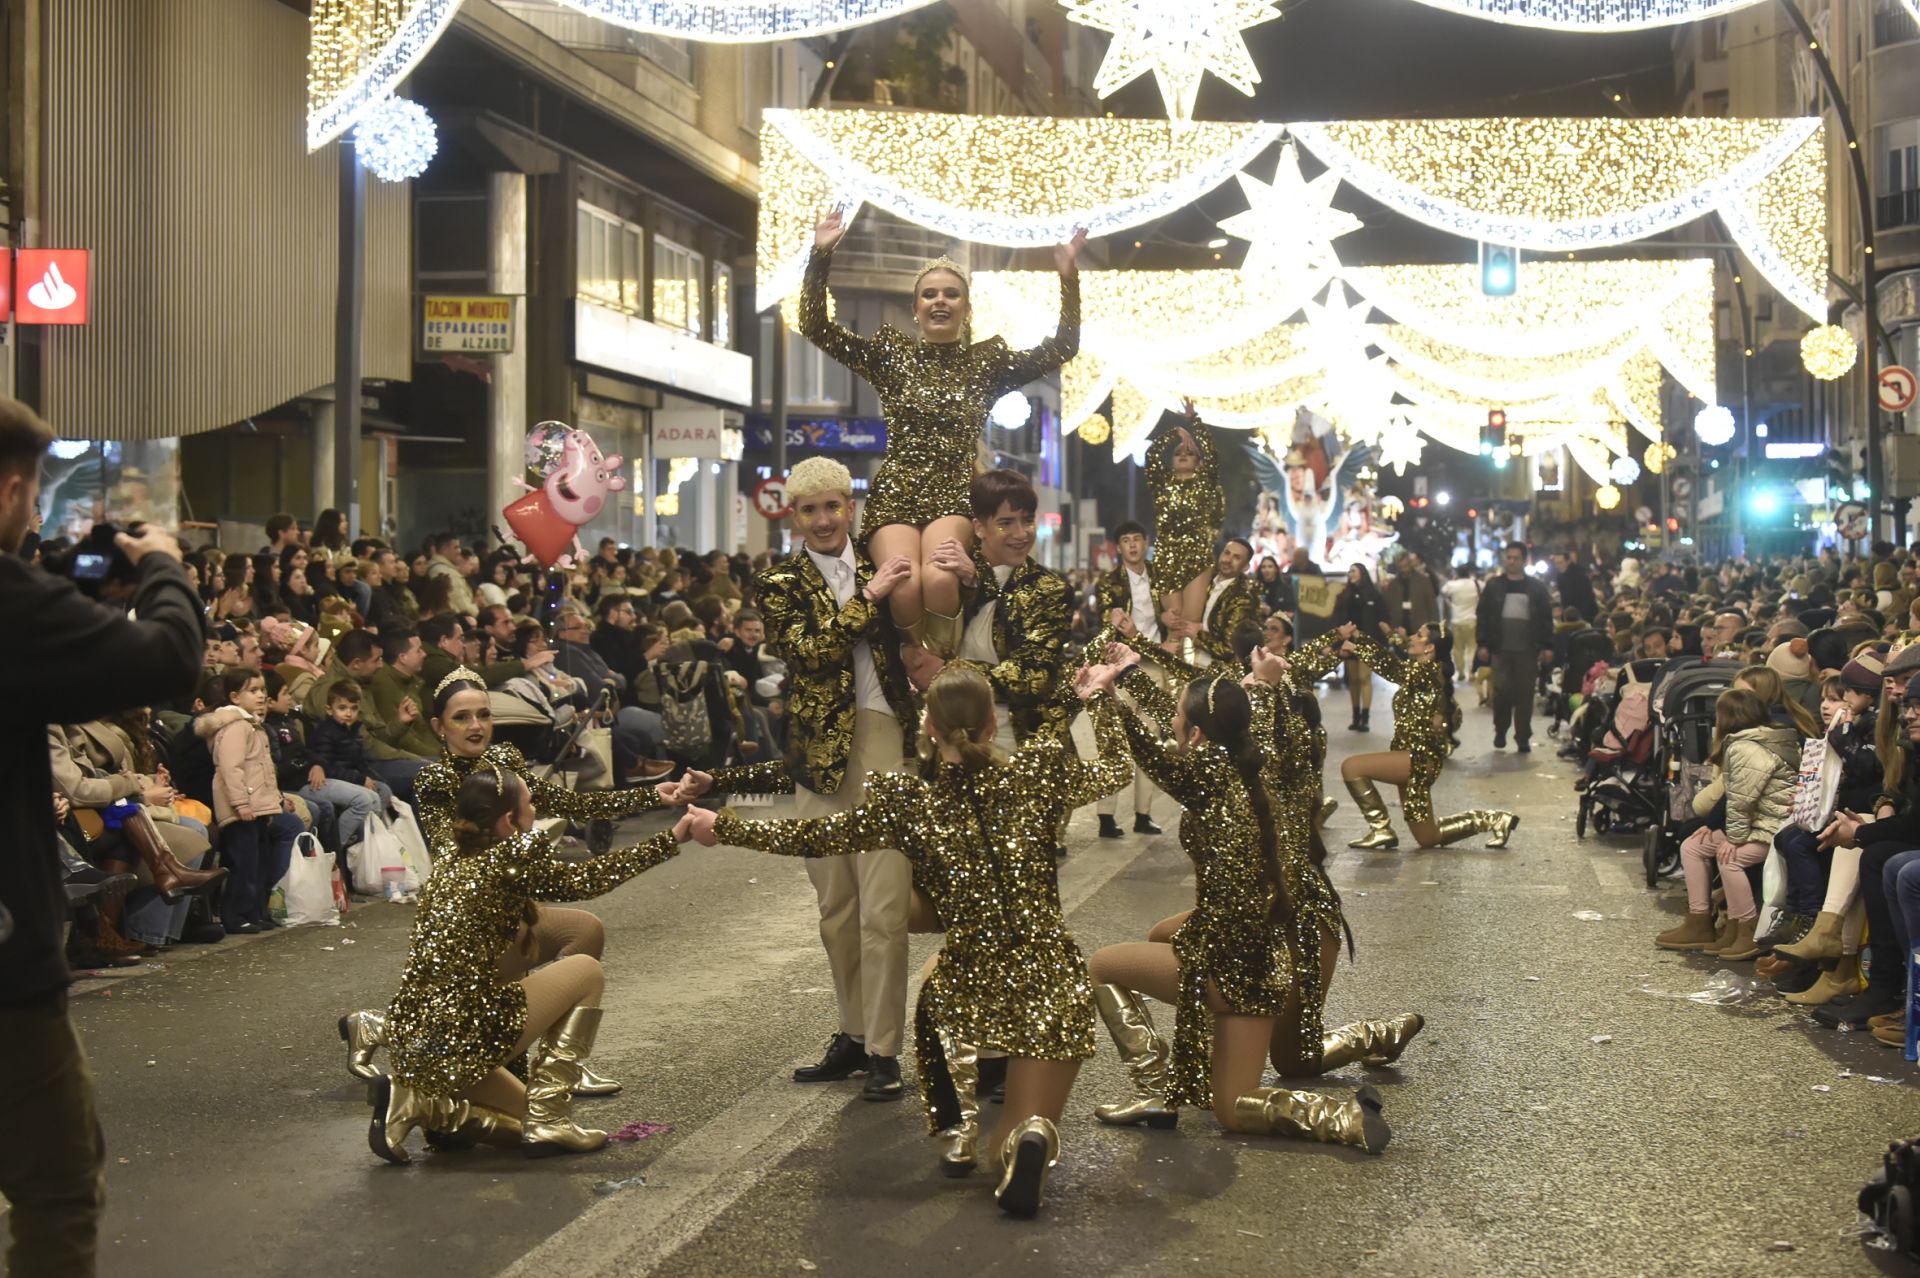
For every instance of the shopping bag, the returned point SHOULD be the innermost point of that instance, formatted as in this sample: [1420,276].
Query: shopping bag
[378,853]
[419,862]
[308,886]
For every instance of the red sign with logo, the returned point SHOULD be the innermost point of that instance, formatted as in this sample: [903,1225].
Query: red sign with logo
[50,286]
[6,287]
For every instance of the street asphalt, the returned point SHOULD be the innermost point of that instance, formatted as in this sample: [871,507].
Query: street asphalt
[1554,1118]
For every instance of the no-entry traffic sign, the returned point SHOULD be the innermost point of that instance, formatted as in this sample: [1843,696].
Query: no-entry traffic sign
[770,498]
[1897,388]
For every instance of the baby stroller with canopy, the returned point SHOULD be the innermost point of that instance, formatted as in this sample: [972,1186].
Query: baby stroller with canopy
[1622,789]
[1585,649]
[1684,701]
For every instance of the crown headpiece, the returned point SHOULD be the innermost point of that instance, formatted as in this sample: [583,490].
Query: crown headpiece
[942,263]
[460,675]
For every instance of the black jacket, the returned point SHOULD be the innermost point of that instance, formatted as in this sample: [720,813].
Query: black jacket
[1362,606]
[1860,772]
[68,659]
[289,746]
[341,750]
[624,652]
[1576,592]
[1493,600]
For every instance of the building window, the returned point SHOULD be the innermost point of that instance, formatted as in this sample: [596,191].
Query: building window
[813,380]
[679,282]
[722,305]
[1893,24]
[1713,40]
[1713,103]
[607,259]
[1896,149]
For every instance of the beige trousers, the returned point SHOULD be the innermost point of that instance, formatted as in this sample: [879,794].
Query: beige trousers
[864,899]
[1084,740]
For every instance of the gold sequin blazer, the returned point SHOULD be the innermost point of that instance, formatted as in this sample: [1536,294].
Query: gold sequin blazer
[455,1017]
[1030,627]
[1231,611]
[934,396]
[816,637]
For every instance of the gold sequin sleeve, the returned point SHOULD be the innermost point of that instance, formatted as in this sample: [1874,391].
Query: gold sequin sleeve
[1108,773]
[885,810]
[1177,772]
[812,652]
[1386,660]
[433,791]
[543,876]
[1310,660]
[860,354]
[754,778]
[1421,724]
[1153,700]
[1021,367]
[588,805]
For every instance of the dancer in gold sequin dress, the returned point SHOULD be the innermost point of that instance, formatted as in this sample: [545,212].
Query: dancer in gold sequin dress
[458,1020]
[1248,967]
[1425,717]
[980,831]
[935,389]
[1183,472]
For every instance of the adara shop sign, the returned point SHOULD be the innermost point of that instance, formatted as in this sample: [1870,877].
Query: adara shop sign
[44,286]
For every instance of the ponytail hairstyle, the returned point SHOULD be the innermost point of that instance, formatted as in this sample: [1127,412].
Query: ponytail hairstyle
[959,714]
[1443,657]
[484,797]
[1223,713]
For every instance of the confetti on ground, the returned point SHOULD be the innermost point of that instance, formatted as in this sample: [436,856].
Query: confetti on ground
[1821,1087]
[1601,1038]
[640,1131]
[615,1186]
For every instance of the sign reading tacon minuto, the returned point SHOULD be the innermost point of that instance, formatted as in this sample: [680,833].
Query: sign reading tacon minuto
[466,324]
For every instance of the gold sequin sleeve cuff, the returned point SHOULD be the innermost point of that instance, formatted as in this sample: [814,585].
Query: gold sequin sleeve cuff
[547,878]
[1309,661]
[755,778]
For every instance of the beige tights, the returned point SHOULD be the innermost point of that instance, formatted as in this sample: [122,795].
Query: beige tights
[552,992]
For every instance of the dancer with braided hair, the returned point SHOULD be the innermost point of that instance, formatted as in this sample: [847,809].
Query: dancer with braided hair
[1234,966]
[1425,717]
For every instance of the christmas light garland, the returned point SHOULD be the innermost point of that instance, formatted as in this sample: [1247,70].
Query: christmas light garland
[1593,15]
[359,51]
[743,21]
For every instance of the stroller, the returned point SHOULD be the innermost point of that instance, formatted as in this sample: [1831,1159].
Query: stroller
[1684,700]
[1624,784]
[1584,649]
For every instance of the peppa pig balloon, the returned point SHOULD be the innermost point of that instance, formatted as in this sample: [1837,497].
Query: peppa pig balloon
[548,518]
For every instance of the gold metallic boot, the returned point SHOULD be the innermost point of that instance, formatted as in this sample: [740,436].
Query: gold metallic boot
[398,1109]
[1461,825]
[959,1143]
[941,633]
[1328,806]
[1031,1151]
[550,1128]
[1145,1055]
[595,1084]
[482,1126]
[1380,836]
[1275,1111]
[363,1033]
[1372,1043]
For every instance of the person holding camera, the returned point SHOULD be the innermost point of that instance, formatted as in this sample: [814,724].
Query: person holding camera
[73,660]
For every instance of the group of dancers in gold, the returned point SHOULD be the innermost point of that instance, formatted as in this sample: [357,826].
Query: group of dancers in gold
[933,763]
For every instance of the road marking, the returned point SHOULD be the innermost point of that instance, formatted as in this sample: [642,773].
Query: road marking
[694,1183]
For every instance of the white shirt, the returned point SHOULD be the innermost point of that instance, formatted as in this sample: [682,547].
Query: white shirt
[1145,619]
[1463,600]
[1220,585]
[976,644]
[839,572]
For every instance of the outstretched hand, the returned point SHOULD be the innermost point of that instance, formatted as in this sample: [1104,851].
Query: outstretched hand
[1065,256]
[696,827]
[830,230]
[686,789]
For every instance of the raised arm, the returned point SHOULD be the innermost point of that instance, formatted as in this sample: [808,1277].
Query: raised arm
[1147,693]
[1386,660]
[889,801]
[528,860]
[1110,770]
[1310,660]
[1173,770]
[1036,362]
[843,344]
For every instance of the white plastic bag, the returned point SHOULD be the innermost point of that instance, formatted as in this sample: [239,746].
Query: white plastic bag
[419,862]
[378,852]
[308,887]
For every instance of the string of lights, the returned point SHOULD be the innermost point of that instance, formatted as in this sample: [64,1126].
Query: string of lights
[359,51]
[743,21]
[1592,15]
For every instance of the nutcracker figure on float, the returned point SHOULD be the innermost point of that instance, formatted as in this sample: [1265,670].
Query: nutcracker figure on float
[576,482]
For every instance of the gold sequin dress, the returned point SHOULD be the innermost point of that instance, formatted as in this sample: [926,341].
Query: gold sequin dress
[1229,939]
[439,784]
[934,396]
[1009,977]
[455,1016]
[1421,727]
[1187,513]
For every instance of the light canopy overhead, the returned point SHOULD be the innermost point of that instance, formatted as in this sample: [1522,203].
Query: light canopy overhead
[1592,15]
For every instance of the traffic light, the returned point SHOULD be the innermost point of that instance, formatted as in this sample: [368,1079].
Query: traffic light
[1499,270]
[1493,436]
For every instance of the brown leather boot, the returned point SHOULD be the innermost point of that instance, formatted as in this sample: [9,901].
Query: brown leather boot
[170,878]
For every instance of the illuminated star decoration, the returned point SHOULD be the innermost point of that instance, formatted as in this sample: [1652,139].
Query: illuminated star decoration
[1357,391]
[1290,220]
[1178,40]
[1401,449]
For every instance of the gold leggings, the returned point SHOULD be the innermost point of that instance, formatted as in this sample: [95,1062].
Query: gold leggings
[555,934]
[565,946]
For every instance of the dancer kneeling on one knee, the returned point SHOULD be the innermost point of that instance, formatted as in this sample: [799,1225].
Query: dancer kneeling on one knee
[1425,717]
[457,1021]
[1229,965]
[979,829]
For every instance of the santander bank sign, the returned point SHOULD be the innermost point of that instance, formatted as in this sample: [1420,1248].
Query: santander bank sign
[48,286]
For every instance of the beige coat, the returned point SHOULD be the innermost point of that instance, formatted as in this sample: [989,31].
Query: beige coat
[243,776]
[1759,766]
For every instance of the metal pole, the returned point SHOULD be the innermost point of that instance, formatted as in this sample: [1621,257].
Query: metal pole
[777,539]
[346,332]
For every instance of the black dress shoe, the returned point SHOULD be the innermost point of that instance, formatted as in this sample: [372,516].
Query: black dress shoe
[883,1079]
[843,1060]
[203,934]
[1145,824]
[1110,828]
[1523,746]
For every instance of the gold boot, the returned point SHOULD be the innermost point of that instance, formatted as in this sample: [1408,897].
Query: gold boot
[1842,980]
[1145,1055]
[595,1084]
[959,1143]
[940,633]
[1032,1149]
[550,1128]
[1275,1111]
[1372,1043]
[398,1109]
[482,1126]
[1328,806]
[1462,825]
[1380,836]
[363,1033]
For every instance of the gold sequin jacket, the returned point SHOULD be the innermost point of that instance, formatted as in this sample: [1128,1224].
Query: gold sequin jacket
[438,785]
[455,1017]
[1187,513]
[1232,611]
[1030,624]
[1009,976]
[816,637]
[934,396]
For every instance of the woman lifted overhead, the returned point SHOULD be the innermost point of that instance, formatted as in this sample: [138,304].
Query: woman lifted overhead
[935,388]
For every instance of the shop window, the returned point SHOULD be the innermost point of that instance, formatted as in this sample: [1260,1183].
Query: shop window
[678,285]
[722,305]
[607,259]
